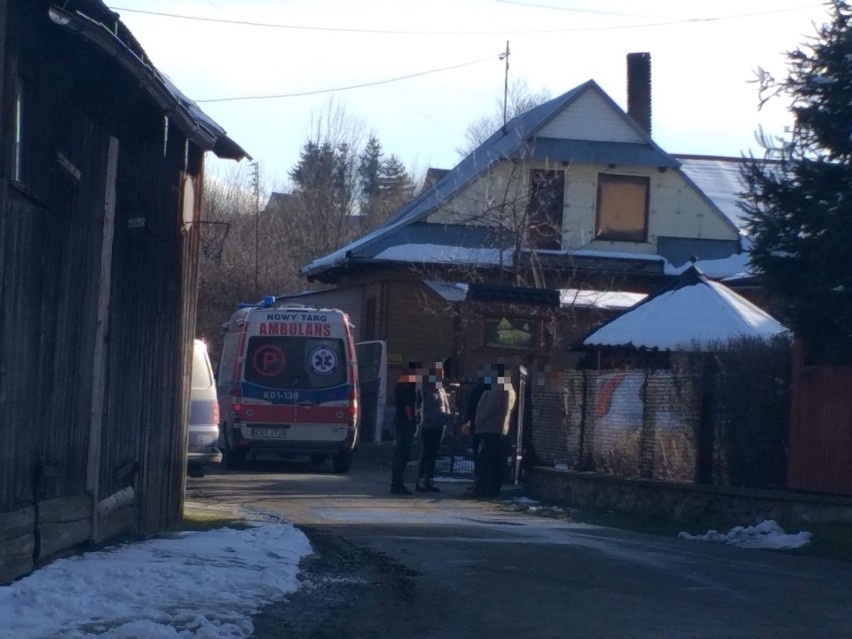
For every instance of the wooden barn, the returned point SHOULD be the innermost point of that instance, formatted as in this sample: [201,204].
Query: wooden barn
[100,204]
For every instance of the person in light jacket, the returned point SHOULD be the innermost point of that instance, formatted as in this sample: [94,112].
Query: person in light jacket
[493,413]
[435,416]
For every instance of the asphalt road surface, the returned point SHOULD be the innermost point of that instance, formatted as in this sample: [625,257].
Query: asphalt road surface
[441,566]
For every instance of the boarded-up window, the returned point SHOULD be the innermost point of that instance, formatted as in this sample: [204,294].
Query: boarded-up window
[622,208]
[547,199]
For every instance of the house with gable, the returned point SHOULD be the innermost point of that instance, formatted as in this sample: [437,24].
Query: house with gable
[572,195]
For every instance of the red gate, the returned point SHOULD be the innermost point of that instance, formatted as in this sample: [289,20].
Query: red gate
[820,445]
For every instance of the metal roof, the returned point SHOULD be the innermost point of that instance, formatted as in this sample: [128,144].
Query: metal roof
[720,180]
[594,152]
[117,40]
[512,141]
[450,291]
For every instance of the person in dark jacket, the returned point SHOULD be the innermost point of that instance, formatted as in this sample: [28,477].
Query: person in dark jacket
[435,417]
[493,414]
[405,424]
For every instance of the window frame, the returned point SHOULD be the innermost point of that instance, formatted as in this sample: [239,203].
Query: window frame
[551,218]
[640,237]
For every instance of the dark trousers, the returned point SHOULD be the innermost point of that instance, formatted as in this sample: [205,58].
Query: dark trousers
[475,443]
[491,464]
[403,441]
[431,440]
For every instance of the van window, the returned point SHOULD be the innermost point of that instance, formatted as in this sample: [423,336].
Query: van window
[295,362]
[226,361]
[202,376]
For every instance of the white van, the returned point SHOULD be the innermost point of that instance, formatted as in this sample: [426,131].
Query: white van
[288,384]
[203,429]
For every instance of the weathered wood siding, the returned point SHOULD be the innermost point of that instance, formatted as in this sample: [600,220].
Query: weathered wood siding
[57,251]
[151,326]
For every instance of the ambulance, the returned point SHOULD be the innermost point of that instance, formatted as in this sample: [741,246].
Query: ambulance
[288,385]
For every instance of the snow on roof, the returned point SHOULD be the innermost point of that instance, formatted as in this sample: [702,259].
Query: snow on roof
[604,300]
[694,313]
[734,266]
[450,291]
[719,179]
[441,254]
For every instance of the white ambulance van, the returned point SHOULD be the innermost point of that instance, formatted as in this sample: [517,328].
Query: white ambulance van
[288,384]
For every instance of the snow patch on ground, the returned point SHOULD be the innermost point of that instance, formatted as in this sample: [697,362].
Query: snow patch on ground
[767,534]
[529,505]
[162,588]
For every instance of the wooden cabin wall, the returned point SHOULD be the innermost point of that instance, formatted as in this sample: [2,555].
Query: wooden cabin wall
[51,239]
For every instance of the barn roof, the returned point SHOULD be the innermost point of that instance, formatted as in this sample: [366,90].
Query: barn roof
[95,22]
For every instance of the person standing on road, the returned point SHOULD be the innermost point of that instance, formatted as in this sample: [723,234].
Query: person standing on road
[483,383]
[492,423]
[405,424]
[435,416]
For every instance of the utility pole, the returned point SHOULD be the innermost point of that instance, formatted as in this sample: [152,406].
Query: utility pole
[255,183]
[505,56]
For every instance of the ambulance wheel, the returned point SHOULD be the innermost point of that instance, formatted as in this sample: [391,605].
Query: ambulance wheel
[341,462]
[318,460]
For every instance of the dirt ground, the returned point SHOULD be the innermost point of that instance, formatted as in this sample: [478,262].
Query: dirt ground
[349,590]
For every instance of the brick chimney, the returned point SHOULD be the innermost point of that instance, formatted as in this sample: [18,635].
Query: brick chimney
[639,89]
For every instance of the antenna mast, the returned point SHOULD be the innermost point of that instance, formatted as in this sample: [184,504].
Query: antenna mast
[505,56]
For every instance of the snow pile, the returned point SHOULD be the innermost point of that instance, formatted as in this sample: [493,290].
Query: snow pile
[767,534]
[533,506]
[196,585]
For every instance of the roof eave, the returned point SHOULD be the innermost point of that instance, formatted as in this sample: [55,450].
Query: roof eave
[99,35]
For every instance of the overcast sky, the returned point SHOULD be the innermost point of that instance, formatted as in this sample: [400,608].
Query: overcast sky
[703,57]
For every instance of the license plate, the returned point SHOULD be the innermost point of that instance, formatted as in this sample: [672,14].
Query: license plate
[269,433]
[202,439]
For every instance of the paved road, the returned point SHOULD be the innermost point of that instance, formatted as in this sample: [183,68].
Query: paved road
[445,567]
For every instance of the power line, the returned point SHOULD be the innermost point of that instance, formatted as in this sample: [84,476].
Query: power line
[667,23]
[352,86]
[597,12]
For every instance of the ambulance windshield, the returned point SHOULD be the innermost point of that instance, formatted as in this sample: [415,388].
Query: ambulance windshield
[295,362]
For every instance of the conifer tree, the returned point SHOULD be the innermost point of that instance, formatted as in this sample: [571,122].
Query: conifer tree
[369,168]
[799,198]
